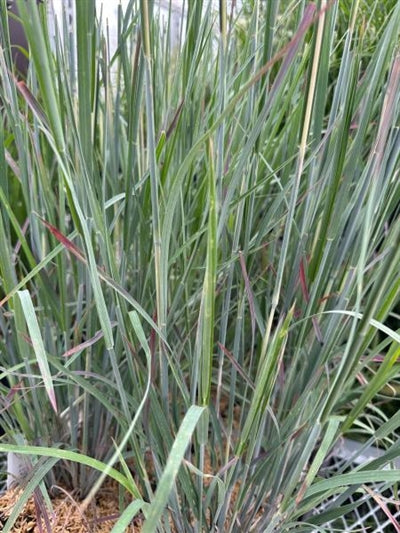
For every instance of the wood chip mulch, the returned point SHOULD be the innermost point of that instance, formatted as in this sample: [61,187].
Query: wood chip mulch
[66,514]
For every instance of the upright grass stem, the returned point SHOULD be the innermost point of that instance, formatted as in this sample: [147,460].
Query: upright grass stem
[161,281]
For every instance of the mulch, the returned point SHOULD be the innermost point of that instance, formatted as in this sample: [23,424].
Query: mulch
[66,514]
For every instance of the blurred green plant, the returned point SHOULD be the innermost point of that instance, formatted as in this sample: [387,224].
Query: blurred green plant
[198,246]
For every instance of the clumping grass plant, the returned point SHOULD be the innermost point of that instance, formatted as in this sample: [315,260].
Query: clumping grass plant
[199,258]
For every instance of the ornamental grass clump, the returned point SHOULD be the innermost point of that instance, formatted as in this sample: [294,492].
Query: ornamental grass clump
[199,250]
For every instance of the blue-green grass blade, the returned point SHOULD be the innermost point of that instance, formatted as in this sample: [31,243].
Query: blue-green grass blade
[167,480]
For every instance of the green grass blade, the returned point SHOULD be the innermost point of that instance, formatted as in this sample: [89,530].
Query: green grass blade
[170,472]
[38,346]
[68,455]
[206,322]
[129,513]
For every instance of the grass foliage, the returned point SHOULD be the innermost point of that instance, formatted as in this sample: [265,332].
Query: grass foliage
[199,250]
